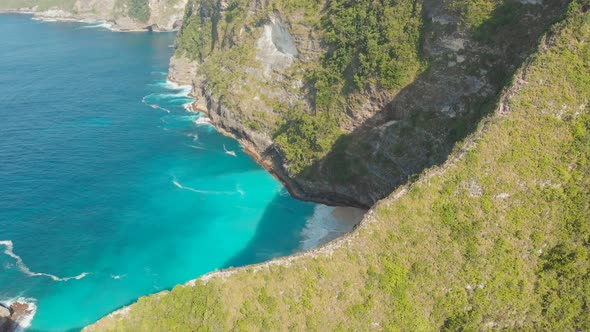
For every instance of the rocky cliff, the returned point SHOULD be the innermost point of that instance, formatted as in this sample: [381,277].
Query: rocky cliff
[13,316]
[121,15]
[494,239]
[346,100]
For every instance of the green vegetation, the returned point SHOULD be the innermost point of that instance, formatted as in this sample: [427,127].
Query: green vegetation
[370,42]
[195,40]
[139,10]
[304,139]
[497,239]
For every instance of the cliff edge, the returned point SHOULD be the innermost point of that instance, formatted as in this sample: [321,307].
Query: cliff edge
[347,101]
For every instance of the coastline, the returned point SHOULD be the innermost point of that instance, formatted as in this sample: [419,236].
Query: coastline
[356,218]
[87,19]
[340,209]
[269,164]
[328,248]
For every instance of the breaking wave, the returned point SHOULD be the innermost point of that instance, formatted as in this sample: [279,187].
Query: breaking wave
[103,25]
[198,191]
[322,227]
[25,269]
[154,106]
[202,120]
[284,192]
[189,107]
[229,152]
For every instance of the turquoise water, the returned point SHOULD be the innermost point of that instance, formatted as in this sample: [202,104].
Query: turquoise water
[104,172]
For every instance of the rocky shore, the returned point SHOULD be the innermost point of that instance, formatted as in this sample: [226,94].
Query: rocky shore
[162,16]
[258,145]
[14,316]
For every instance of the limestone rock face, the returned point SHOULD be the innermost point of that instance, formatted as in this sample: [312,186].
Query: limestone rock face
[5,320]
[276,47]
[391,134]
[12,317]
[182,70]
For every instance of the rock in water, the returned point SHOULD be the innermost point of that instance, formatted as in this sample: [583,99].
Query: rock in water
[11,317]
[20,311]
[5,321]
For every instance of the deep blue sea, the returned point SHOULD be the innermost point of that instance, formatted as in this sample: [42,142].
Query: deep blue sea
[109,188]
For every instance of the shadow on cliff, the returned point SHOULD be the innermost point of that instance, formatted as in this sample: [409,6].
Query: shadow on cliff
[419,127]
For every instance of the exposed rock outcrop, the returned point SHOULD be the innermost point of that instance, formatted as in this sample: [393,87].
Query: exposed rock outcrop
[391,135]
[12,317]
[182,70]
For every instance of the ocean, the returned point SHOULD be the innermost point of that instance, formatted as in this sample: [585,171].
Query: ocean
[109,188]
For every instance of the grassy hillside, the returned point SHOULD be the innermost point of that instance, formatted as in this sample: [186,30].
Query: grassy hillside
[499,237]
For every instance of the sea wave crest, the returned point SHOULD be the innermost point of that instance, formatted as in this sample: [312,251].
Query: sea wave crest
[9,251]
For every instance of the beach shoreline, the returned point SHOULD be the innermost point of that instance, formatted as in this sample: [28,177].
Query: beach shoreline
[87,19]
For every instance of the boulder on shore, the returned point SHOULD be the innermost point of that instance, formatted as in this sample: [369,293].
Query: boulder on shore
[11,316]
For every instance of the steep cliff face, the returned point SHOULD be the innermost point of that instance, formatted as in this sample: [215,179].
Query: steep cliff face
[122,15]
[347,100]
[494,239]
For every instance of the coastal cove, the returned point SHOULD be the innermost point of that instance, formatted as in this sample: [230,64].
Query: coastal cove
[112,188]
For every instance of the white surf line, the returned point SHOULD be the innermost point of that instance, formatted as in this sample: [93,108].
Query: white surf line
[196,147]
[154,106]
[177,184]
[202,120]
[231,153]
[105,25]
[25,269]
[194,136]
[189,107]
[284,192]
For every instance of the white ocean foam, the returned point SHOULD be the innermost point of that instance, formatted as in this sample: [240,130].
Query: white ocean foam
[197,147]
[179,185]
[117,277]
[182,90]
[179,93]
[195,137]
[284,192]
[25,269]
[104,25]
[154,106]
[25,322]
[229,152]
[322,227]
[189,107]
[202,120]
[240,191]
